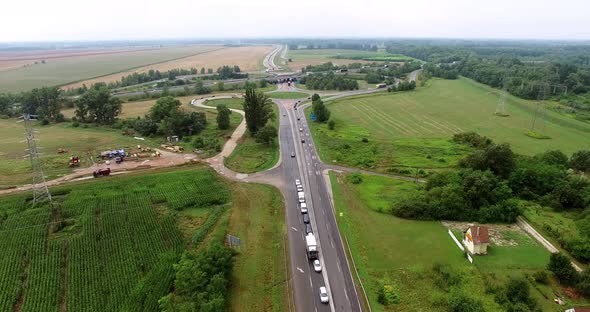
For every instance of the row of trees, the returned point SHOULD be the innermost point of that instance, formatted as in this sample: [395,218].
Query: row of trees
[97,106]
[45,102]
[402,86]
[563,270]
[329,81]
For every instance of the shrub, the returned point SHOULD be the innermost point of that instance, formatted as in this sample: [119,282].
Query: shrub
[541,277]
[459,302]
[562,268]
[331,124]
[444,276]
[75,124]
[472,139]
[365,140]
[355,178]
[387,295]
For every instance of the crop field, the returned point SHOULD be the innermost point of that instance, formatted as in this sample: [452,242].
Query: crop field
[116,233]
[123,235]
[16,170]
[247,58]
[302,58]
[67,69]
[413,129]
[402,253]
[236,103]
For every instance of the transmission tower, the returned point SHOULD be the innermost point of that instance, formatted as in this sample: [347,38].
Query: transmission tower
[501,108]
[39,186]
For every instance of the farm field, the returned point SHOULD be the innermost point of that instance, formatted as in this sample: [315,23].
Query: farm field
[302,58]
[236,103]
[402,253]
[413,129]
[123,236]
[15,169]
[247,58]
[60,71]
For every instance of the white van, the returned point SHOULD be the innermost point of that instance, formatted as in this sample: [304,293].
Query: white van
[303,207]
[301,197]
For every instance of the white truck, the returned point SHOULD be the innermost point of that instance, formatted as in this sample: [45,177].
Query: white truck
[312,247]
[301,197]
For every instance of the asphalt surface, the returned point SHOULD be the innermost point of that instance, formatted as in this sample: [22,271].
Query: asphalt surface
[307,167]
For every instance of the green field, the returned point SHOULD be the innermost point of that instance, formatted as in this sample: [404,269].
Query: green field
[413,129]
[346,54]
[16,170]
[71,69]
[123,236]
[401,253]
[236,103]
[287,95]
[250,156]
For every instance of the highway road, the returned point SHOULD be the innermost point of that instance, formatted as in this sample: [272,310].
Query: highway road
[269,62]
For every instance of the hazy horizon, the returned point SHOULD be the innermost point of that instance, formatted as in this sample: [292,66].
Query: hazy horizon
[134,20]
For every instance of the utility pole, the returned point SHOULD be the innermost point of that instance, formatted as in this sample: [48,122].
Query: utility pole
[40,191]
[501,108]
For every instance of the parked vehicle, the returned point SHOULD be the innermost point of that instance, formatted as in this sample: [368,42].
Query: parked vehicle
[101,172]
[297,182]
[305,218]
[299,188]
[308,229]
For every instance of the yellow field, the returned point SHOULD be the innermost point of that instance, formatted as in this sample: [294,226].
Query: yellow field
[248,58]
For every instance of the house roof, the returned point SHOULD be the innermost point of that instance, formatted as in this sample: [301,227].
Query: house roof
[479,234]
[578,309]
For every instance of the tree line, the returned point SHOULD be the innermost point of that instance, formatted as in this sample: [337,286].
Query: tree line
[329,81]
[492,183]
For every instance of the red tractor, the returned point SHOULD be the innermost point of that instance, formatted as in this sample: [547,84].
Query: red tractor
[101,172]
[74,161]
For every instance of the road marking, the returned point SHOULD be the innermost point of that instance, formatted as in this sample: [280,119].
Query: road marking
[337,263]
[300,270]
[317,173]
[328,227]
[332,243]
[294,229]
[310,283]
[323,212]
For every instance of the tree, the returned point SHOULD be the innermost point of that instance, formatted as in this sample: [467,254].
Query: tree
[45,102]
[320,110]
[98,106]
[498,158]
[223,114]
[263,83]
[562,268]
[200,87]
[555,157]
[584,283]
[331,124]
[257,109]
[580,160]
[202,70]
[266,135]
[315,97]
[163,108]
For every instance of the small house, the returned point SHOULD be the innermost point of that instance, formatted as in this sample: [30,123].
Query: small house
[476,240]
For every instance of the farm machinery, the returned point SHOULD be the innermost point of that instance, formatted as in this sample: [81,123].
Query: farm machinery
[103,172]
[74,161]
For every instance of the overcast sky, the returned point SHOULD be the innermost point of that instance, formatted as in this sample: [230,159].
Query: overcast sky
[43,20]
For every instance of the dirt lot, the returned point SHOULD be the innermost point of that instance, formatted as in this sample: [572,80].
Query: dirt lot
[298,64]
[248,58]
[495,231]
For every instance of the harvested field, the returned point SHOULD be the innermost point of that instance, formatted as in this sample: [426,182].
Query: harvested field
[66,69]
[248,58]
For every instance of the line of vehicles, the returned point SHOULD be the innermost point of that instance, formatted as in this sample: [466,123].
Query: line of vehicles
[311,244]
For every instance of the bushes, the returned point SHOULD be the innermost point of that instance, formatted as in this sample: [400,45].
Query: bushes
[472,139]
[354,178]
[562,268]
[387,296]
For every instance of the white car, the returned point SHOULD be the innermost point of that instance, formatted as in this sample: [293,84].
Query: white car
[297,182]
[299,188]
[324,295]
[301,129]
[317,266]
[303,207]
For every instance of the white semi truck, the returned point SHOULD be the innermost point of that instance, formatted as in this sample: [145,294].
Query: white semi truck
[312,247]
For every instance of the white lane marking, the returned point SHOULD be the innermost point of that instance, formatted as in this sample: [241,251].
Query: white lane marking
[313,157]
[346,294]
[294,229]
[328,227]
[337,263]
[317,173]
[332,243]
[300,270]
[310,283]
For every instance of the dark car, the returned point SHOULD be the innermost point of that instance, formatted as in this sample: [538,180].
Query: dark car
[292,154]
[305,218]
[308,229]
[302,140]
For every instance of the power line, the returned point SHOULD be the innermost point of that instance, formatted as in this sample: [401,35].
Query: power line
[39,185]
